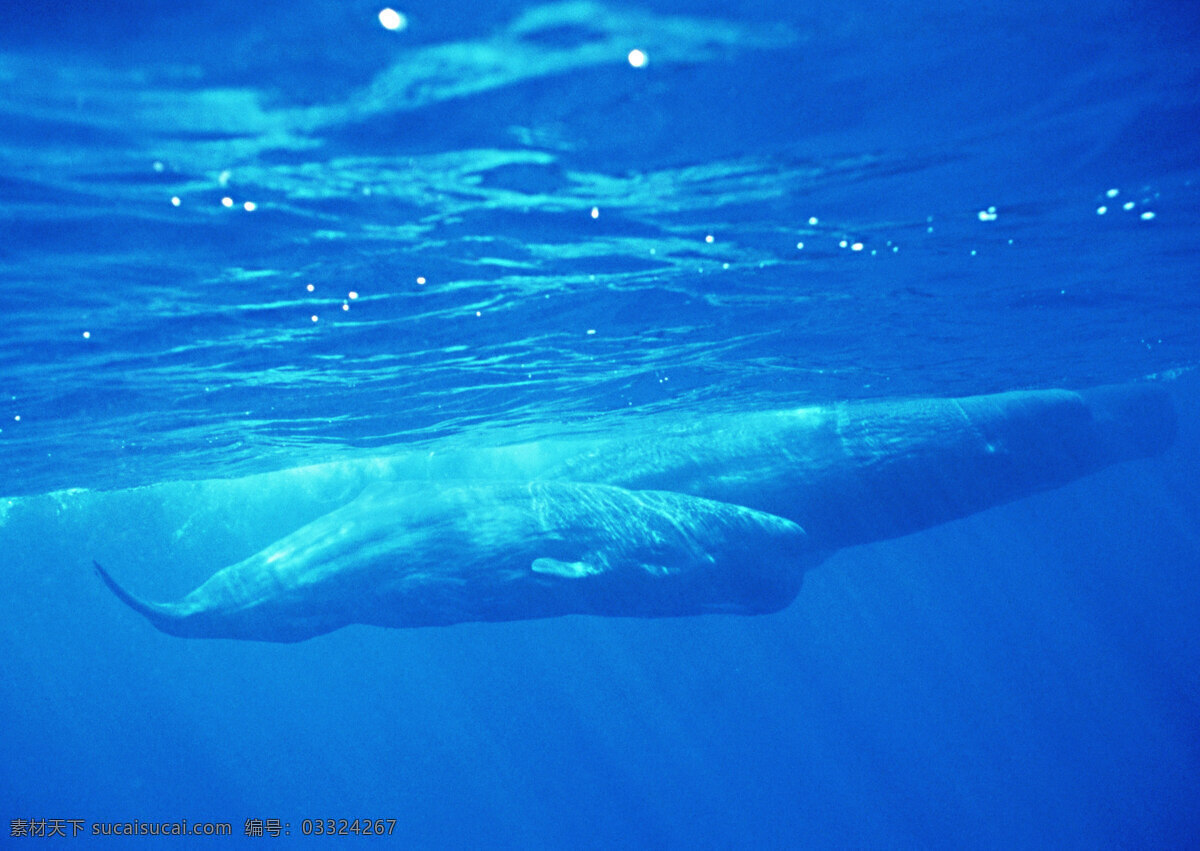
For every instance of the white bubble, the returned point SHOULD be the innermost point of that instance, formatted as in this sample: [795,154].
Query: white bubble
[249,206]
[226,201]
[314,317]
[1113,193]
[87,335]
[421,281]
[858,246]
[310,288]
[637,58]
[392,20]
[591,331]
[709,238]
[175,202]
[353,294]
[345,306]
[1147,216]
[812,220]
[1101,210]
[595,212]
[1128,205]
[800,245]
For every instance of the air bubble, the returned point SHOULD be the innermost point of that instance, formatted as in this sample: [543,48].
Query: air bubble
[392,20]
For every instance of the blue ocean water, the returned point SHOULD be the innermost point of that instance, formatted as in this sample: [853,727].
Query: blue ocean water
[237,239]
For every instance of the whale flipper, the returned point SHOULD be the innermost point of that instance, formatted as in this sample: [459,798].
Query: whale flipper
[571,570]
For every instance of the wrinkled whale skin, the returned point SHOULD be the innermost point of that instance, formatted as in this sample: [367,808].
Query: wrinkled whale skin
[717,515]
[860,472]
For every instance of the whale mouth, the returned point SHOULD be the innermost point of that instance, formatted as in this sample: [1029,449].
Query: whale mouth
[128,599]
[166,617]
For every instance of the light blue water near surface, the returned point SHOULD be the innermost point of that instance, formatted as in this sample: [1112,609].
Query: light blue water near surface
[489,226]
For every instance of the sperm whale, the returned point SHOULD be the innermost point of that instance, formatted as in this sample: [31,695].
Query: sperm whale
[420,554]
[717,515]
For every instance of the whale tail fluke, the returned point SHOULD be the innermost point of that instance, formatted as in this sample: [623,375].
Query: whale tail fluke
[164,616]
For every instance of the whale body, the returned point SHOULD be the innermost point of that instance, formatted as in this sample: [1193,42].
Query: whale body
[717,515]
[424,554]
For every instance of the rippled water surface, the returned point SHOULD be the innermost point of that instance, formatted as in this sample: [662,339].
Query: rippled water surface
[236,240]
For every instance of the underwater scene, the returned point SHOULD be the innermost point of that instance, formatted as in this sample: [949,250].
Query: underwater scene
[598,424]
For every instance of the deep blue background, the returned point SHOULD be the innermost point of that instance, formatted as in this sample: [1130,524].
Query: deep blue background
[1025,677]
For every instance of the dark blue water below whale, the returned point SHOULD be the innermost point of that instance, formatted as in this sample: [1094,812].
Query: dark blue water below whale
[238,239]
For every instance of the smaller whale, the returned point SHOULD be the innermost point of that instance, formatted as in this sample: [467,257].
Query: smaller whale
[406,554]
